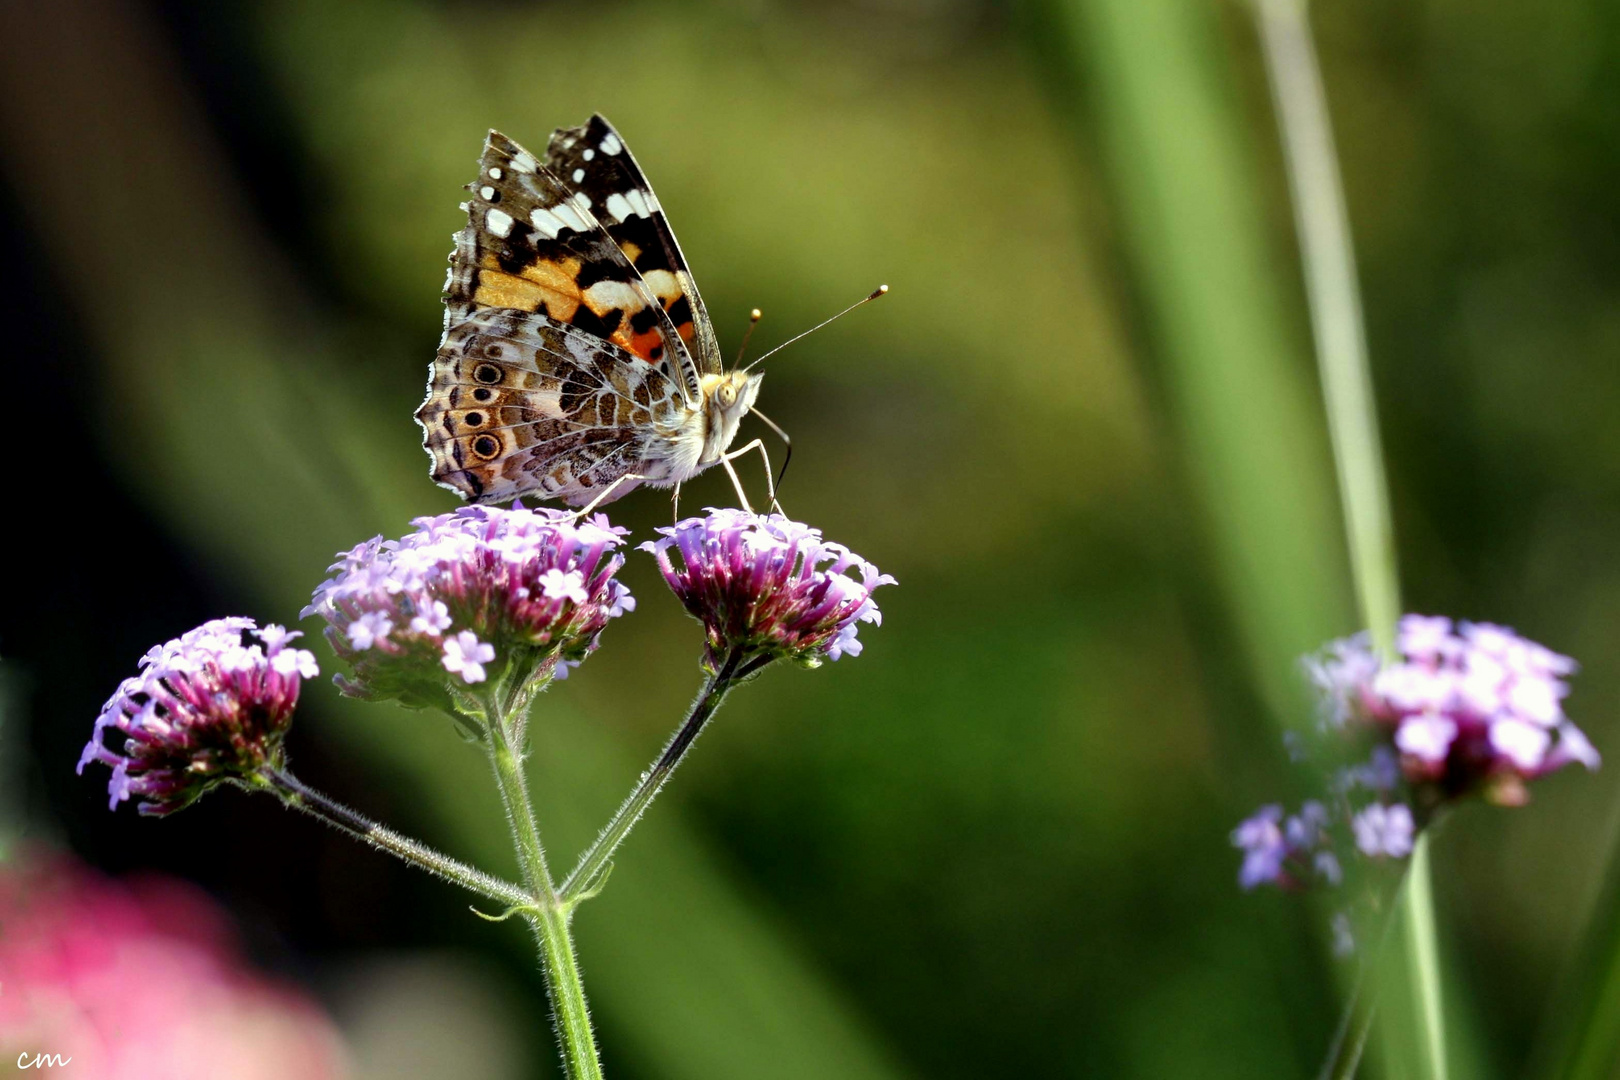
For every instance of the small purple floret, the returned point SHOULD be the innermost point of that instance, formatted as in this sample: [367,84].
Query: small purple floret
[765,586]
[209,706]
[1264,847]
[1286,851]
[466,592]
[1384,831]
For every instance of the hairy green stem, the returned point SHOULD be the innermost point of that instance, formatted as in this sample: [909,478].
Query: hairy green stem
[547,916]
[594,862]
[1341,350]
[294,793]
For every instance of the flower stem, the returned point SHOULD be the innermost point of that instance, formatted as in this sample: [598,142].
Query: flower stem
[1341,349]
[547,916]
[294,793]
[595,860]
[1422,959]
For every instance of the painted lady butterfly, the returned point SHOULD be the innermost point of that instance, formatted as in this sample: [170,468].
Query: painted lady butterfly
[577,361]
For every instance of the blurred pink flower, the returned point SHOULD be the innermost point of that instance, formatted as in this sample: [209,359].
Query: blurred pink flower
[140,979]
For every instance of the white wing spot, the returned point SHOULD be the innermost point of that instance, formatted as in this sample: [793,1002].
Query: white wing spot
[579,174]
[582,200]
[588,154]
[495,172]
[524,162]
[486,192]
[663,284]
[618,207]
[610,144]
[546,223]
[499,221]
[567,215]
[638,202]
[607,295]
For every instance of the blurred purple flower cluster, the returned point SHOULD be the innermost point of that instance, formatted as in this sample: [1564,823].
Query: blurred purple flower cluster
[464,592]
[1464,708]
[768,587]
[1471,707]
[209,706]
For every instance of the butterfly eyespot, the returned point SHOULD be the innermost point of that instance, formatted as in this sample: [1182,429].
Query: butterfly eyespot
[494,350]
[473,419]
[486,446]
[483,393]
[488,373]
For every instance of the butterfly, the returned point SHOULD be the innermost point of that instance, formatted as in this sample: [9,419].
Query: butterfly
[578,361]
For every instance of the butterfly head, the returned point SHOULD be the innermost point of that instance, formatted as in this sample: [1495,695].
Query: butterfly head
[726,400]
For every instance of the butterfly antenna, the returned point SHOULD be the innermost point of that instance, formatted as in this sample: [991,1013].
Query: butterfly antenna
[879,291]
[748,334]
[787,456]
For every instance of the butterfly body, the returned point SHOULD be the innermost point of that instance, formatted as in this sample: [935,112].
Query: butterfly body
[578,361]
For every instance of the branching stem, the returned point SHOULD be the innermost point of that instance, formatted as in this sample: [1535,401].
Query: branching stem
[596,859]
[294,793]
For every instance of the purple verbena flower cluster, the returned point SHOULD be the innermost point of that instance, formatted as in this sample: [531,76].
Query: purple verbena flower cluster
[1468,707]
[1462,708]
[464,593]
[209,706]
[767,587]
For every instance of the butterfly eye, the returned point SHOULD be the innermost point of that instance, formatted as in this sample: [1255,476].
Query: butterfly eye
[727,395]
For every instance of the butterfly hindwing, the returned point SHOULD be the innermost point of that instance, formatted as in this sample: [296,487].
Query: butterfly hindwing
[534,244]
[520,402]
[594,161]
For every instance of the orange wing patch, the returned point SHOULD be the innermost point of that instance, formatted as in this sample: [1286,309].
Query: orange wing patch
[598,166]
[552,288]
[533,244]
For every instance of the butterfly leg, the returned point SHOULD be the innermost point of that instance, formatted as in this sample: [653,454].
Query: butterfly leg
[675,502]
[770,483]
[607,494]
[725,462]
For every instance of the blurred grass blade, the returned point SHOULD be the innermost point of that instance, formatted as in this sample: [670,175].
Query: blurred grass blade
[1335,306]
[1176,148]
[1341,354]
[234,415]
[1248,429]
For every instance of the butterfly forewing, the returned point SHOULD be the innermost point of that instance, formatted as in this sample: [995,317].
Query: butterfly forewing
[567,366]
[533,243]
[522,403]
[594,161]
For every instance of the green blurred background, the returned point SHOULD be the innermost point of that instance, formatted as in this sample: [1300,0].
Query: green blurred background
[1083,432]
